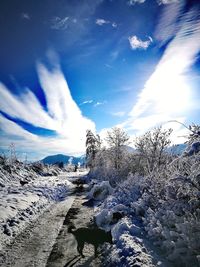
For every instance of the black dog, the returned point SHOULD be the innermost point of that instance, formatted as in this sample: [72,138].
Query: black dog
[94,236]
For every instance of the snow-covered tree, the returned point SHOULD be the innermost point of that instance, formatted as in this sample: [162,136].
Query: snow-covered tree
[93,145]
[194,135]
[152,148]
[12,151]
[117,138]
[193,141]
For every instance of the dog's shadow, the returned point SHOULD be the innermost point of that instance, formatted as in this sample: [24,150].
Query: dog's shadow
[76,259]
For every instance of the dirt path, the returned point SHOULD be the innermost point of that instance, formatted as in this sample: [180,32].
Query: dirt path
[64,252]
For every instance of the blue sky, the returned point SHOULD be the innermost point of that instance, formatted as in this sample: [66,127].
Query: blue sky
[67,66]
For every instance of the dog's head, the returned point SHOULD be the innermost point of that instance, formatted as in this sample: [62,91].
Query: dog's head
[70,228]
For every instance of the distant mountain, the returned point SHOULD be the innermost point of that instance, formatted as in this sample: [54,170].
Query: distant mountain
[64,159]
[177,149]
[128,149]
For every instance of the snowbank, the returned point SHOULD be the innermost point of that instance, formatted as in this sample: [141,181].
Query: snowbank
[107,217]
[100,191]
[164,211]
[17,171]
[19,205]
[20,202]
[129,248]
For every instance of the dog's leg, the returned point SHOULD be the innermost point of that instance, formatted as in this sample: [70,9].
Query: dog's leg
[95,250]
[80,247]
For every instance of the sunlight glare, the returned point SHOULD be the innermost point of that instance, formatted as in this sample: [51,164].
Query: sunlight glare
[169,90]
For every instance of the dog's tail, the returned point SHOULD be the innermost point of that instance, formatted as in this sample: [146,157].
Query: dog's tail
[70,229]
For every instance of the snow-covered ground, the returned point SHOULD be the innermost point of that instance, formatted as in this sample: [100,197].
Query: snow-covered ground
[19,205]
[25,192]
[130,246]
[150,226]
[140,236]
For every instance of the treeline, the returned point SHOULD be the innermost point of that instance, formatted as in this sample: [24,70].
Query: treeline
[118,160]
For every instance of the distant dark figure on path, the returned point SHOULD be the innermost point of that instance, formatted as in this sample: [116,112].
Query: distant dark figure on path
[75,168]
[23,182]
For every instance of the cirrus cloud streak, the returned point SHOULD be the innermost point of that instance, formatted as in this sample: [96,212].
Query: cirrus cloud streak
[62,116]
[167,94]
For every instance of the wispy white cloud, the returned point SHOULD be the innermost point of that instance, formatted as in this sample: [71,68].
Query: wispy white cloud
[99,103]
[169,22]
[167,94]
[102,22]
[63,116]
[87,102]
[114,24]
[150,39]
[167,83]
[136,43]
[11,128]
[60,104]
[167,2]
[118,113]
[108,66]
[25,16]
[25,107]
[114,55]
[58,23]
[133,2]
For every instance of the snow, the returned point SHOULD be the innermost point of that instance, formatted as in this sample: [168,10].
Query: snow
[12,203]
[100,191]
[106,217]
[20,204]
[103,218]
[147,214]
[157,214]
[127,233]
[129,248]
[194,148]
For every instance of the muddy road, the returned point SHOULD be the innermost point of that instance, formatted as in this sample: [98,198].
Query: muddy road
[64,252]
[46,241]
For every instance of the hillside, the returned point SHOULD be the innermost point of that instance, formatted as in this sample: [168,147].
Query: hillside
[64,159]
